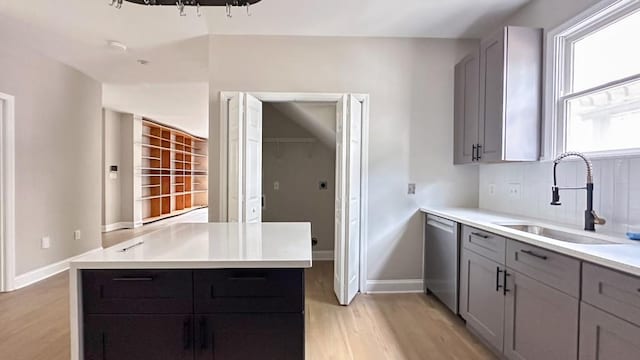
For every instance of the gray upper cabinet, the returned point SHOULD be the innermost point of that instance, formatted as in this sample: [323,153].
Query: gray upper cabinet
[466,108]
[540,322]
[507,88]
[511,95]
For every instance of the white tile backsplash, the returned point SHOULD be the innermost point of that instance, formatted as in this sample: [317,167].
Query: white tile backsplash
[616,195]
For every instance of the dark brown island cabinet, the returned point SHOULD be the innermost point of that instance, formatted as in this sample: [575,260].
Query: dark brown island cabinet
[217,314]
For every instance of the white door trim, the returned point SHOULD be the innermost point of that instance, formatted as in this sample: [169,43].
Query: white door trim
[7,193]
[227,96]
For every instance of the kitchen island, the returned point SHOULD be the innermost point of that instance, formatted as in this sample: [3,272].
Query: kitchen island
[194,291]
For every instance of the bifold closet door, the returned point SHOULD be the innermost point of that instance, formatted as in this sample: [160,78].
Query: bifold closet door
[244,154]
[348,198]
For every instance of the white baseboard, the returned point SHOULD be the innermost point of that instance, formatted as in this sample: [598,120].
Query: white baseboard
[323,255]
[394,286]
[118,226]
[42,273]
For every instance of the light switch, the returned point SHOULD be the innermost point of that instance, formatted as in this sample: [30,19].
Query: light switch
[77,235]
[276,185]
[46,242]
[492,189]
[412,189]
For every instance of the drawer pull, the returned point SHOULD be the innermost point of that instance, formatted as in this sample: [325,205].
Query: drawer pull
[186,335]
[248,278]
[203,334]
[504,287]
[531,253]
[480,235]
[498,286]
[133,278]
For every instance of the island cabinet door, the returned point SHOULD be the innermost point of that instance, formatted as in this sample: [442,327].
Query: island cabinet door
[137,337]
[250,337]
[540,322]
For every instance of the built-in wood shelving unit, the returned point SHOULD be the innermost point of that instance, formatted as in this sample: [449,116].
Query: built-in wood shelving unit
[173,171]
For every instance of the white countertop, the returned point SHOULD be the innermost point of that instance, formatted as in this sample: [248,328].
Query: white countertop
[622,254]
[209,246]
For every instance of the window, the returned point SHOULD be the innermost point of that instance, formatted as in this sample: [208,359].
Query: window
[595,100]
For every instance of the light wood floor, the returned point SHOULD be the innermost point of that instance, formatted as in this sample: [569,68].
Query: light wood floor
[34,324]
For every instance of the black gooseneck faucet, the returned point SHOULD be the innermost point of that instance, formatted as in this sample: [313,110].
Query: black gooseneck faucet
[591,219]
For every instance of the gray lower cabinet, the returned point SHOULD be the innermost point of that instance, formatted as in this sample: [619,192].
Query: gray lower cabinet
[540,321]
[606,337]
[482,299]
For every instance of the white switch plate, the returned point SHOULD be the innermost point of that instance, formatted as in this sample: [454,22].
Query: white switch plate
[492,189]
[515,191]
[276,185]
[46,242]
[77,235]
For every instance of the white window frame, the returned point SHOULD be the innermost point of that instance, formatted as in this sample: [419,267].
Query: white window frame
[558,75]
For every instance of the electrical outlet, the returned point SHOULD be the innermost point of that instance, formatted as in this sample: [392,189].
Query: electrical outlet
[515,191]
[276,185]
[412,189]
[492,189]
[46,242]
[77,235]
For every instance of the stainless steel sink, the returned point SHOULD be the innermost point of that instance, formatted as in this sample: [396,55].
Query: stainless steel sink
[558,234]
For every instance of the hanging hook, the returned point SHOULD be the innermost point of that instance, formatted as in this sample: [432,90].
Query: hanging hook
[229,15]
[248,6]
[180,5]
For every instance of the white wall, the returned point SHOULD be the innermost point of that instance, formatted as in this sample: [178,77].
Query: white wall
[121,143]
[111,155]
[411,86]
[298,168]
[58,156]
[617,195]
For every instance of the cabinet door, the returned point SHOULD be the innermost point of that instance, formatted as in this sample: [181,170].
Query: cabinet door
[136,337]
[606,337]
[466,108]
[250,337]
[492,67]
[540,322]
[482,304]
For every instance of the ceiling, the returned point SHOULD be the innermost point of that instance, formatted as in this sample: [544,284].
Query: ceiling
[181,105]
[76,31]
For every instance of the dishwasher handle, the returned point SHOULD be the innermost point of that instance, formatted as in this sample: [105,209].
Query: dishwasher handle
[442,224]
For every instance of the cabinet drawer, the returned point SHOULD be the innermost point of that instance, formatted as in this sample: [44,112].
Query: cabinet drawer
[548,267]
[612,291]
[249,290]
[137,291]
[484,243]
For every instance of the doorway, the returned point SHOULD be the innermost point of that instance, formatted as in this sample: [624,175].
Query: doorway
[241,173]
[299,169]
[7,190]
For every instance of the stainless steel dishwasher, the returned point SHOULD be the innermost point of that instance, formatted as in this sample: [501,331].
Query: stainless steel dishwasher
[441,260]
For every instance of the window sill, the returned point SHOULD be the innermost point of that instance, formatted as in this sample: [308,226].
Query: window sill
[607,155]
